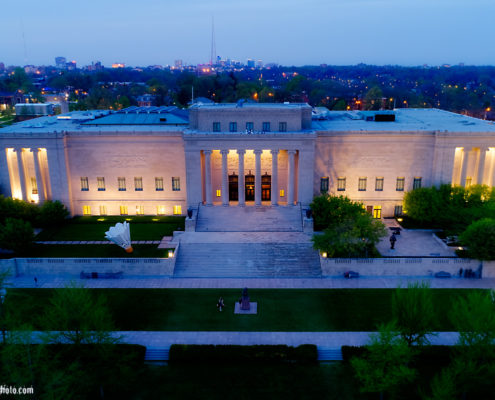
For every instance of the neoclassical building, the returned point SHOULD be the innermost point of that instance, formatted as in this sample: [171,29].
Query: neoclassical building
[162,160]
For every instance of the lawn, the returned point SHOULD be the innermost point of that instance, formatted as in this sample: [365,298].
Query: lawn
[278,309]
[94,228]
[95,251]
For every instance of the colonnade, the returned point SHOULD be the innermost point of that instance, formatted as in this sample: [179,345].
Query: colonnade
[476,166]
[275,193]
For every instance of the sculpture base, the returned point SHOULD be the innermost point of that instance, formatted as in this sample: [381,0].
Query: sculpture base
[253,309]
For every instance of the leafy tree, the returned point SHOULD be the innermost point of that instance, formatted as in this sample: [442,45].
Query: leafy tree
[414,312]
[13,208]
[333,210]
[385,367]
[16,235]
[52,213]
[479,238]
[373,98]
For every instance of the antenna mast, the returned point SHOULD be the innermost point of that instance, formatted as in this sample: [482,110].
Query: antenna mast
[213,55]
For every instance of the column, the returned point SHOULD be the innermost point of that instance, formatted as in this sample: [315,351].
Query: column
[39,179]
[257,179]
[22,176]
[225,178]
[207,154]
[464,166]
[481,165]
[241,188]
[275,191]
[290,181]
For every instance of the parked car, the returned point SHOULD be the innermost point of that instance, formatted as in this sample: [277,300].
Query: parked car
[351,274]
[443,274]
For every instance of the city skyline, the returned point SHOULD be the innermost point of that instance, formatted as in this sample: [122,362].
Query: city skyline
[287,33]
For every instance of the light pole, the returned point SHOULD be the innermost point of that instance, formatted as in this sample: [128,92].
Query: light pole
[3,293]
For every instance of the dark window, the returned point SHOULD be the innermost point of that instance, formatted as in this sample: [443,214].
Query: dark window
[138,184]
[266,127]
[175,184]
[341,184]
[362,184]
[84,184]
[324,185]
[282,126]
[417,183]
[34,186]
[233,127]
[101,183]
[249,126]
[398,211]
[216,126]
[400,184]
[379,184]
[121,181]
[159,184]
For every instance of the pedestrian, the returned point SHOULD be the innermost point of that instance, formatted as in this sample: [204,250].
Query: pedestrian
[35,281]
[220,304]
[393,239]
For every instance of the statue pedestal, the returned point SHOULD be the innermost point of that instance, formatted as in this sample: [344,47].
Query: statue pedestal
[253,309]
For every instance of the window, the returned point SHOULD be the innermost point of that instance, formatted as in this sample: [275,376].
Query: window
[121,184]
[219,193]
[282,126]
[469,180]
[341,184]
[160,210]
[139,210]
[377,212]
[101,183]
[177,210]
[123,210]
[86,210]
[362,184]
[175,183]
[266,127]
[324,185]
[138,184]
[398,211]
[216,126]
[159,184]
[282,192]
[233,127]
[249,126]
[417,183]
[379,184]
[399,186]
[84,184]
[34,186]
[103,210]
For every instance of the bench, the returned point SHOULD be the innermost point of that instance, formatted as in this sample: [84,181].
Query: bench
[101,275]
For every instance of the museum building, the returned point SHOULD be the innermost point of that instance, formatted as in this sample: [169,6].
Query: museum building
[164,160]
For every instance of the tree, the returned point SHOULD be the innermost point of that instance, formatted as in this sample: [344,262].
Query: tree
[373,98]
[479,238]
[52,213]
[16,235]
[385,367]
[414,312]
[333,210]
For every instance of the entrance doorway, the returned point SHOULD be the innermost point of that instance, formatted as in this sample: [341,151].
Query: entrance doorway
[250,187]
[233,187]
[266,187]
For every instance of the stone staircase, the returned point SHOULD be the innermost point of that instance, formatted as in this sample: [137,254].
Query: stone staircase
[156,354]
[247,260]
[249,219]
[329,354]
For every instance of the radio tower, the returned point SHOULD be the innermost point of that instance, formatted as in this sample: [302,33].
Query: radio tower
[213,55]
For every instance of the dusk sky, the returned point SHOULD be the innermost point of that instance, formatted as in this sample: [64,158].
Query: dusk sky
[290,32]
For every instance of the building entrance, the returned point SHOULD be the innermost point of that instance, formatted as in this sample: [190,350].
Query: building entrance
[233,187]
[266,187]
[249,187]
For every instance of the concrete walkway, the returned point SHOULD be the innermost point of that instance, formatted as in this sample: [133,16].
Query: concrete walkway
[56,281]
[96,242]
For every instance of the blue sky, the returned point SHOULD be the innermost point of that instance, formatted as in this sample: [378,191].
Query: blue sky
[291,32]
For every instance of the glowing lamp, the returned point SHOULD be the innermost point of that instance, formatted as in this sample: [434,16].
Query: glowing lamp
[170,254]
[400,219]
[324,254]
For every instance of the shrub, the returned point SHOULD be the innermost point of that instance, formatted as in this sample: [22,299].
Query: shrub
[13,208]
[16,235]
[479,238]
[52,213]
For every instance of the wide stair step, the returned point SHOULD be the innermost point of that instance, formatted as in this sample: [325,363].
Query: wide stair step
[156,354]
[329,354]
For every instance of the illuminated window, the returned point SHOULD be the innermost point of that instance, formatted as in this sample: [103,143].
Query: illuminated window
[138,183]
[282,126]
[398,211]
[417,183]
[175,183]
[139,210]
[219,193]
[216,126]
[233,127]
[282,192]
[362,184]
[341,184]
[177,210]
[34,186]
[266,127]
[324,185]
[103,210]
[101,183]
[399,186]
[86,210]
[123,210]
[250,126]
[159,184]
[469,180]
[84,184]
[160,210]
[377,212]
[121,181]
[379,184]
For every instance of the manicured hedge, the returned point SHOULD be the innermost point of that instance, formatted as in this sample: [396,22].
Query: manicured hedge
[181,353]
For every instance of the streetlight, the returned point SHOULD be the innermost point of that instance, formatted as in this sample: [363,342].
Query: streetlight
[3,293]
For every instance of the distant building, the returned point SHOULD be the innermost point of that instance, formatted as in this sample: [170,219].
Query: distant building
[25,111]
[60,62]
[178,64]
[146,100]
[250,63]
[30,69]
[71,65]
[259,64]
[2,67]
[118,65]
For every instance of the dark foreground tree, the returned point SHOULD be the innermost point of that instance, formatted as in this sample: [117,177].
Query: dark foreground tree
[16,235]
[479,238]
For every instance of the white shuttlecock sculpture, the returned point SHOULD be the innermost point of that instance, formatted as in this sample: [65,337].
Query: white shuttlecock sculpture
[120,234]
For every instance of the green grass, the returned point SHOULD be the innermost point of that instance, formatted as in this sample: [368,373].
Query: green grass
[95,251]
[278,310]
[90,228]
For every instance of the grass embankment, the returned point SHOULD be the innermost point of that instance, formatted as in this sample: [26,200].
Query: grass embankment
[94,228]
[278,309]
